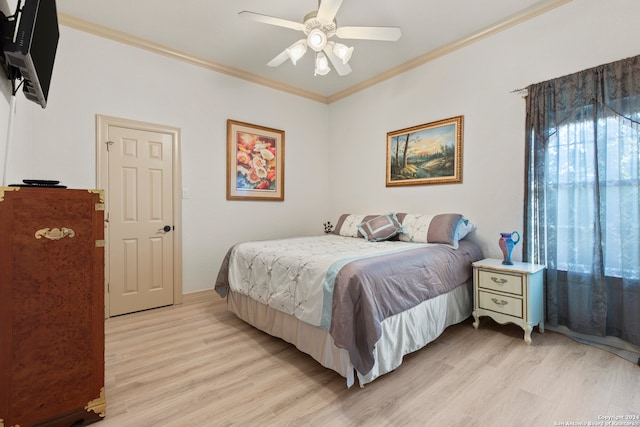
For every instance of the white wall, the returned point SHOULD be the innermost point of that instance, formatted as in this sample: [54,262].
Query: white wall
[5,104]
[335,155]
[97,76]
[475,82]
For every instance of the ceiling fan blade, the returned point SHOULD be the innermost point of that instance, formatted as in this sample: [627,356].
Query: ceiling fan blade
[266,19]
[341,68]
[391,34]
[278,60]
[328,9]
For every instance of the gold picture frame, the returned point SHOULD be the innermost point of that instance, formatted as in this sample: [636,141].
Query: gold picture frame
[426,154]
[255,162]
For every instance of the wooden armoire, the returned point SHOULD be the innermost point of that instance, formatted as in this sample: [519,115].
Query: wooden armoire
[51,307]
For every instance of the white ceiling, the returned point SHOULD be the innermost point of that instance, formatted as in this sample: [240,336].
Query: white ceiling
[212,31]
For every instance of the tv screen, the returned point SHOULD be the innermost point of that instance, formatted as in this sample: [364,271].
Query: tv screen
[34,48]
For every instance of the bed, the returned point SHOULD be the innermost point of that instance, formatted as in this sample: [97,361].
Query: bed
[360,298]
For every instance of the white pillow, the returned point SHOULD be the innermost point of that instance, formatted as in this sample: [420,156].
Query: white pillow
[349,227]
[416,227]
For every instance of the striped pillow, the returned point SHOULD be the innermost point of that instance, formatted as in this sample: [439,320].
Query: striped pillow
[348,224]
[442,228]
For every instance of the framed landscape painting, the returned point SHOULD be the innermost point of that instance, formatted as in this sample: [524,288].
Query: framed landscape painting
[255,162]
[426,154]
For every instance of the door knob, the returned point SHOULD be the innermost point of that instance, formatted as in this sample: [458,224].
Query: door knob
[166,228]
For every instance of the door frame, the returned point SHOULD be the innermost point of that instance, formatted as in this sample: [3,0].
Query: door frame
[102,181]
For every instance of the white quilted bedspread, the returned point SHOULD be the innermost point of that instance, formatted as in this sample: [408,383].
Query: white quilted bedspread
[295,275]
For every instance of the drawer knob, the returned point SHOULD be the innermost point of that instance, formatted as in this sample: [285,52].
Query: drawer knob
[498,281]
[499,302]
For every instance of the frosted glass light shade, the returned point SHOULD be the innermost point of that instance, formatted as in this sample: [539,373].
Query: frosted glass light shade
[322,65]
[297,51]
[343,52]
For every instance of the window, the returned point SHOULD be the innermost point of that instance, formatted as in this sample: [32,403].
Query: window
[573,155]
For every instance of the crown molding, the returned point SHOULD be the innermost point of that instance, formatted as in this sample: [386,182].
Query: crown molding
[128,39]
[525,15]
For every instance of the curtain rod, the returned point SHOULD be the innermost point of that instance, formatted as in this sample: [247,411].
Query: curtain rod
[522,92]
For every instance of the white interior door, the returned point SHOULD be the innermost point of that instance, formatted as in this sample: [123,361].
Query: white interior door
[141,217]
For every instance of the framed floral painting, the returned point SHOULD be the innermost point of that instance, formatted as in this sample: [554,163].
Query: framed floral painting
[255,162]
[426,154]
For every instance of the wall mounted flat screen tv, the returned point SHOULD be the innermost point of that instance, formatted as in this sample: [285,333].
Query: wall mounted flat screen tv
[33,48]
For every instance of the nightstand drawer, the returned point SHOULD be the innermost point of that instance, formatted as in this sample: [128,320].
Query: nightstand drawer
[500,282]
[500,303]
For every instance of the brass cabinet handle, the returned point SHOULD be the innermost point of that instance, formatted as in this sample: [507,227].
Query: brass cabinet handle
[498,281]
[501,302]
[55,233]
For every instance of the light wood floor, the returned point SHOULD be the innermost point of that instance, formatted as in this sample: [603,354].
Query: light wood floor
[198,365]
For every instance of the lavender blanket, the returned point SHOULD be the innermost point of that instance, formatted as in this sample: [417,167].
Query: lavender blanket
[369,290]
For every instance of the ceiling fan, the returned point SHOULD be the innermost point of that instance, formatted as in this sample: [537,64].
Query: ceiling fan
[319,27]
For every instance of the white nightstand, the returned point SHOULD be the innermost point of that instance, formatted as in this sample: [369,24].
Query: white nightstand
[509,294]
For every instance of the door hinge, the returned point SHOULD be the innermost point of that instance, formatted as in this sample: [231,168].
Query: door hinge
[100,243]
[109,143]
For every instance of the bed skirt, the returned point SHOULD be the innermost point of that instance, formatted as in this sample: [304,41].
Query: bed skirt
[402,333]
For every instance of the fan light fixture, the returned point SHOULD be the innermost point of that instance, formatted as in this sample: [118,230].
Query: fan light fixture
[317,39]
[297,51]
[322,64]
[343,52]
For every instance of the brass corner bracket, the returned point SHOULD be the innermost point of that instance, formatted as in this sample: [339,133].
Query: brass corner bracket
[100,194]
[97,405]
[2,191]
